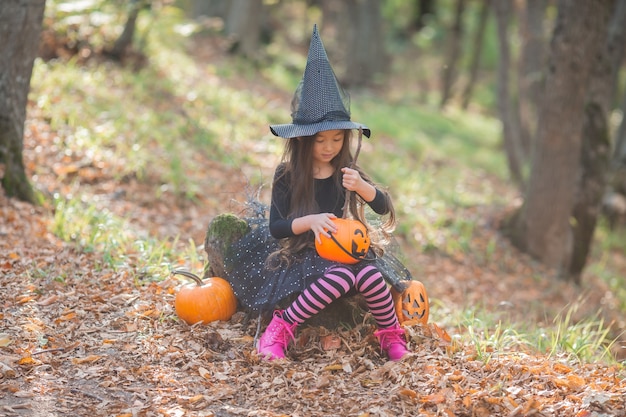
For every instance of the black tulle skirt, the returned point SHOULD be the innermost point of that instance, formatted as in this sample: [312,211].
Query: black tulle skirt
[261,287]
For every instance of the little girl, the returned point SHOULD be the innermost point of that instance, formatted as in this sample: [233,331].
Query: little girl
[308,191]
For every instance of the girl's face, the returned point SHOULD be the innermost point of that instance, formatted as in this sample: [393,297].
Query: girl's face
[328,144]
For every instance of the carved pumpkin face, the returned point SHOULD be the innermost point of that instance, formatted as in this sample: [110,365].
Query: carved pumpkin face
[412,304]
[348,245]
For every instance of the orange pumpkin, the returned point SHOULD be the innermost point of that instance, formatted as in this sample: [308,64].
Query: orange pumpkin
[348,245]
[205,301]
[412,304]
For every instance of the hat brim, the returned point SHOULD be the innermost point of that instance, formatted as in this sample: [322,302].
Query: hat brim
[291,130]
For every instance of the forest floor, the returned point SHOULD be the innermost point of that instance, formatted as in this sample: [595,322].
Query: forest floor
[78,338]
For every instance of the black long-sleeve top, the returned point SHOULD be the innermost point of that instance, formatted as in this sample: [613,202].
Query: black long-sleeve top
[329,198]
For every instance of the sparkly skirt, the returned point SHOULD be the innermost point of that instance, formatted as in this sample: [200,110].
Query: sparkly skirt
[259,287]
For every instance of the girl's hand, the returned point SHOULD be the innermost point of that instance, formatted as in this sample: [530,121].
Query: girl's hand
[351,179]
[322,224]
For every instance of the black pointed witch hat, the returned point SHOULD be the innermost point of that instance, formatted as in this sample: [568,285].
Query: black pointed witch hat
[319,102]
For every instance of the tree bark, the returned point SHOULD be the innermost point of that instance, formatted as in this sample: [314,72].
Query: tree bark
[507,111]
[222,232]
[20,26]
[542,227]
[616,42]
[595,155]
[209,8]
[243,23]
[338,32]
[423,9]
[531,66]
[125,40]
[619,154]
[477,51]
[453,54]
[617,39]
[365,52]
[601,87]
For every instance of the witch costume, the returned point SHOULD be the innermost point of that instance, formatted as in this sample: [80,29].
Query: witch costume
[262,284]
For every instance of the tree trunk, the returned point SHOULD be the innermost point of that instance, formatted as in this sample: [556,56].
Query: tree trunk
[542,227]
[423,9]
[477,51]
[222,232]
[243,23]
[20,26]
[617,39]
[531,64]
[365,52]
[601,87]
[619,154]
[209,8]
[616,42]
[453,54]
[508,116]
[595,155]
[125,40]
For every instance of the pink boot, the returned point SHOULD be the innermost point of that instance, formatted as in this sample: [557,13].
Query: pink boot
[274,341]
[392,342]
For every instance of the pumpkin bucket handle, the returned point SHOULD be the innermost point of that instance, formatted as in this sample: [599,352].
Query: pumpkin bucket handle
[346,203]
[352,164]
[347,252]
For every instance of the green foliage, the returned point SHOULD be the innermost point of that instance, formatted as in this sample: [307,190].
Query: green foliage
[419,149]
[86,25]
[608,247]
[586,340]
[165,113]
[98,230]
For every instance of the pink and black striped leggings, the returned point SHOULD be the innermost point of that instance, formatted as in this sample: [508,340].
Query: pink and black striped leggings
[335,284]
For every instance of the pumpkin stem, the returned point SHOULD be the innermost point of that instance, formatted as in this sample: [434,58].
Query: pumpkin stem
[188,275]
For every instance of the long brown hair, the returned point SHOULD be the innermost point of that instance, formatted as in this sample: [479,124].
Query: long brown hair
[298,169]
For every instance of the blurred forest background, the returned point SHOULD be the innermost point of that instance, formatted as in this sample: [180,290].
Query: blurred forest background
[551,76]
[497,126]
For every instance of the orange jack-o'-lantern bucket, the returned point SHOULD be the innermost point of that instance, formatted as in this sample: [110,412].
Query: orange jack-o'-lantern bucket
[412,303]
[349,244]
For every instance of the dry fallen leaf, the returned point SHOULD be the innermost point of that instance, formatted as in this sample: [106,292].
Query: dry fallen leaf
[6,371]
[436,398]
[334,367]
[5,340]
[67,316]
[28,360]
[196,398]
[48,301]
[330,342]
[204,373]
[86,359]
[407,393]
[441,333]
[24,394]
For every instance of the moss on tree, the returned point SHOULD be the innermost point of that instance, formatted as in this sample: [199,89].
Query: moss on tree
[224,230]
